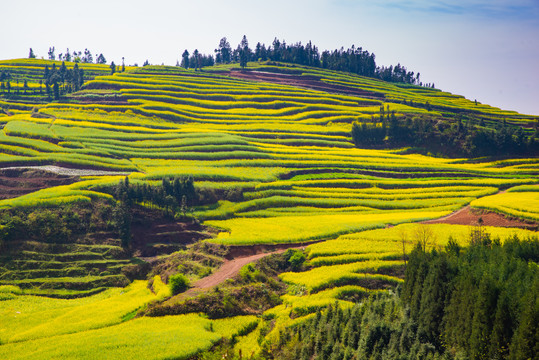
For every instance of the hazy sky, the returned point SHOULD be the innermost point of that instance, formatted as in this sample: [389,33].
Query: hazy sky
[483,49]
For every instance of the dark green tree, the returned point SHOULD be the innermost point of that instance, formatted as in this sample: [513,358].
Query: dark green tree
[122,220]
[525,343]
[56,90]
[51,54]
[100,59]
[223,53]
[244,52]
[185,59]
[196,60]
[81,77]
[31,55]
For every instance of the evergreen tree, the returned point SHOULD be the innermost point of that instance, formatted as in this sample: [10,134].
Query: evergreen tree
[51,54]
[485,302]
[75,77]
[224,52]
[196,59]
[31,55]
[185,59]
[525,343]
[56,91]
[63,71]
[502,329]
[244,52]
[100,59]
[81,77]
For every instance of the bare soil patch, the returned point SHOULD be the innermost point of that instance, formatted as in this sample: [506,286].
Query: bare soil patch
[153,235]
[469,216]
[15,182]
[308,82]
[237,257]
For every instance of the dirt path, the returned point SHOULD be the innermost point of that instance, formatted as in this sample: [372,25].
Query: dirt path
[229,269]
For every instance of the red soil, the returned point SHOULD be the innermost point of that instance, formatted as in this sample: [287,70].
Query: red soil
[308,82]
[237,257]
[229,269]
[469,216]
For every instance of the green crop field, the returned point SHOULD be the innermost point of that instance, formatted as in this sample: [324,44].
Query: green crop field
[270,163]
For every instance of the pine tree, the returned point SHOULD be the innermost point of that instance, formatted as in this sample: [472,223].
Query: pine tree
[485,303]
[51,53]
[502,329]
[244,52]
[196,59]
[525,343]
[185,59]
[56,91]
[224,52]
[433,300]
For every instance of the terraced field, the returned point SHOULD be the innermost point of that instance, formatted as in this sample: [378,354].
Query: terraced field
[282,145]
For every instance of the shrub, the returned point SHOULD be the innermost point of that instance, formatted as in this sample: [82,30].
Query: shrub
[296,259]
[178,283]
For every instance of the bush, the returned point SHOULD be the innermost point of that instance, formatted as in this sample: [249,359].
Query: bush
[296,259]
[178,283]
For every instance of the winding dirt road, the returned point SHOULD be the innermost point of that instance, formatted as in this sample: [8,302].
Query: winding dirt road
[231,267]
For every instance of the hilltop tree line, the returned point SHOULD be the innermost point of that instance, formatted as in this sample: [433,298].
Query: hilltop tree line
[57,80]
[354,59]
[463,137]
[477,303]
[75,56]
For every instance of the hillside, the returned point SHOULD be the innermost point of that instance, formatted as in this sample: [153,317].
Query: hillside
[128,181]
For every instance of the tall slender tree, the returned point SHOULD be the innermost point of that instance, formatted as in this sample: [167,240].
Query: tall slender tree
[223,53]
[185,59]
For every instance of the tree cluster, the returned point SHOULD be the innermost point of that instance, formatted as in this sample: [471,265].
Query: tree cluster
[374,329]
[76,56]
[196,60]
[172,196]
[5,82]
[62,80]
[354,59]
[469,138]
[482,303]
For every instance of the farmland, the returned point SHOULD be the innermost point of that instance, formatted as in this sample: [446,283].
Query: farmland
[259,160]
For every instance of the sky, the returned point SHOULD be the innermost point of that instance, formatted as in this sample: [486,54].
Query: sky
[486,50]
